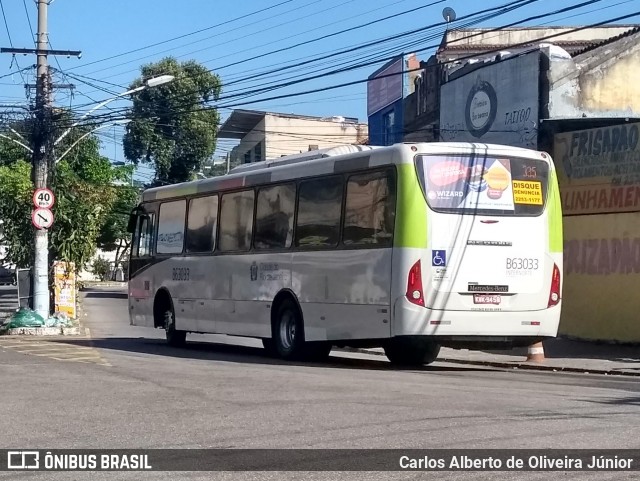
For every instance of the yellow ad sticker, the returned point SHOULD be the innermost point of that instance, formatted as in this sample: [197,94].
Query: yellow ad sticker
[527,192]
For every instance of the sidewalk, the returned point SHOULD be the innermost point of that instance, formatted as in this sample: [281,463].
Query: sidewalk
[561,355]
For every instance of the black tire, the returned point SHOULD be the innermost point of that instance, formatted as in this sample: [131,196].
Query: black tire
[411,351]
[288,331]
[174,337]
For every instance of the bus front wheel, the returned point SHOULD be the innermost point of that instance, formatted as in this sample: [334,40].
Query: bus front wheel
[411,351]
[288,331]
[175,338]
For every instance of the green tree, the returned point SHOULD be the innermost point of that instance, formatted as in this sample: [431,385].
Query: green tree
[113,233]
[170,126]
[85,196]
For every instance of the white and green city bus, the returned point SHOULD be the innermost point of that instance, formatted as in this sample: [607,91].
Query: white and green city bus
[409,247]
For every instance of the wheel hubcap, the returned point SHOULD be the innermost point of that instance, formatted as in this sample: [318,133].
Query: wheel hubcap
[288,331]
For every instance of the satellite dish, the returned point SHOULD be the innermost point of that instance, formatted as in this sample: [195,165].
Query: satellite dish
[449,14]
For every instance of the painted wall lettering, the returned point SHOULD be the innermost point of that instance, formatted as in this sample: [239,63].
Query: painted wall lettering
[599,169]
[585,200]
[602,257]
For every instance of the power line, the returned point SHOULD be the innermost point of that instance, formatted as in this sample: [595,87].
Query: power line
[26,11]
[6,25]
[264,44]
[521,44]
[307,42]
[504,8]
[12,73]
[356,66]
[461,59]
[378,55]
[122,54]
[232,40]
[368,64]
[324,37]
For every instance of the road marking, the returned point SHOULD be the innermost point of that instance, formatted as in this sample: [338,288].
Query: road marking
[56,350]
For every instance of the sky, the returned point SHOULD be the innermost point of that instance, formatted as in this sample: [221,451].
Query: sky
[238,41]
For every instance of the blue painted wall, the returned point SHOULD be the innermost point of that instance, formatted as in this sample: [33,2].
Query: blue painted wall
[376,125]
[376,120]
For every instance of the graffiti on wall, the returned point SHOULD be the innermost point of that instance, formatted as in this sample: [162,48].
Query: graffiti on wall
[599,169]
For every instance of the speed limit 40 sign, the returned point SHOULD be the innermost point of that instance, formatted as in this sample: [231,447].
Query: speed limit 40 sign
[43,199]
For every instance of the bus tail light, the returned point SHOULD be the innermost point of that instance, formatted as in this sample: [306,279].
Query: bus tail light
[554,295]
[414,285]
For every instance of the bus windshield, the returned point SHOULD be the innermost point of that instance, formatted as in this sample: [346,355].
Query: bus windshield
[482,185]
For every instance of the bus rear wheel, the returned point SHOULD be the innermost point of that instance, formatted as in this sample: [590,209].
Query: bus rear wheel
[288,331]
[175,338]
[411,351]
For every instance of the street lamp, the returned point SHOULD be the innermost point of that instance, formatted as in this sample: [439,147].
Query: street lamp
[116,122]
[149,83]
[16,142]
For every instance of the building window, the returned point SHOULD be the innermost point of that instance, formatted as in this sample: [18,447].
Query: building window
[257,152]
[201,224]
[171,227]
[236,221]
[370,209]
[247,157]
[274,217]
[319,212]
[389,121]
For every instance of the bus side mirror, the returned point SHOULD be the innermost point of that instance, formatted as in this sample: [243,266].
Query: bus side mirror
[133,222]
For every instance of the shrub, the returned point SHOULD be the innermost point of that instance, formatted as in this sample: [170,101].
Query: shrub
[100,268]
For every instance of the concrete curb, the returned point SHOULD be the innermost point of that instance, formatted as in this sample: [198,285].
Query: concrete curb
[42,331]
[515,365]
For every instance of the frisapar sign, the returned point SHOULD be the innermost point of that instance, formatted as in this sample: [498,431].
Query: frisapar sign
[599,169]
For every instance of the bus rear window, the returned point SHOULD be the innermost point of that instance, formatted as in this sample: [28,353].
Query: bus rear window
[483,185]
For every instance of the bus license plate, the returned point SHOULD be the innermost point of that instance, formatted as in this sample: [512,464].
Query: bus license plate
[486,299]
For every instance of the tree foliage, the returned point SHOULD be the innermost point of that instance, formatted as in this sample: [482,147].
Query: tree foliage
[170,127]
[85,199]
[113,233]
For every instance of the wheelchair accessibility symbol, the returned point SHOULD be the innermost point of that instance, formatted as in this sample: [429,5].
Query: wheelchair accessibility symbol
[439,258]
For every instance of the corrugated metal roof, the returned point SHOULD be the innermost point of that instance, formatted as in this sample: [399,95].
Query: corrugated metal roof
[595,45]
[506,46]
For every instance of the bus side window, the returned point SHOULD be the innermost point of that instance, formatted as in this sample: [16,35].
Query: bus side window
[274,217]
[236,221]
[370,209]
[202,224]
[171,227]
[319,212]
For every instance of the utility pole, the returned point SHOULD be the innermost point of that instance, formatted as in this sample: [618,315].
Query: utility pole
[41,151]
[43,140]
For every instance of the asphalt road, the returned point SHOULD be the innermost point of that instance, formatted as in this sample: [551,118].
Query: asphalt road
[124,388]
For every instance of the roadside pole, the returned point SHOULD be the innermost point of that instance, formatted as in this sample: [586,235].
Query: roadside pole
[42,153]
